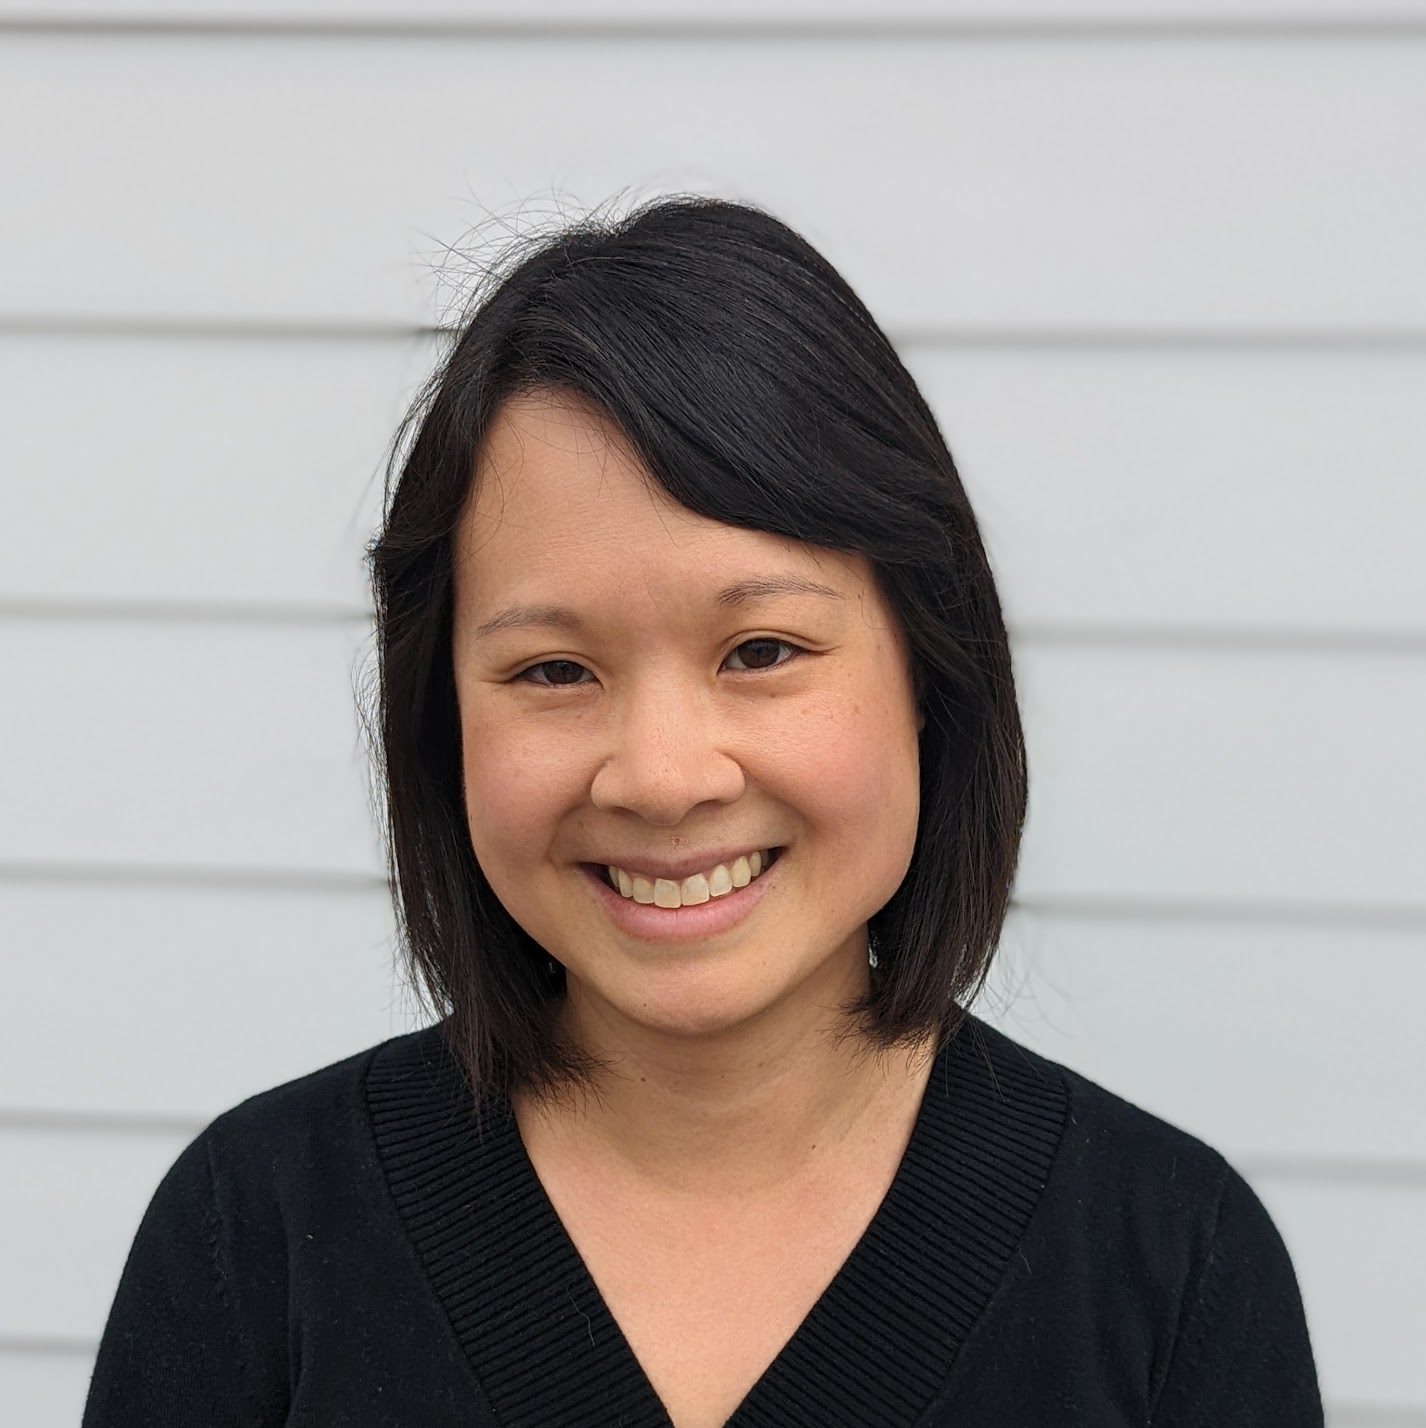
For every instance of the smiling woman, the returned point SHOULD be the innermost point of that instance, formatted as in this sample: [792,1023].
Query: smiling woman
[660,749]
[705,784]
[709,583]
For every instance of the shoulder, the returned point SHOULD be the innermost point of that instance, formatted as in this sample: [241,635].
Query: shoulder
[301,1137]
[1147,1259]
[1154,1233]
[1112,1142]
[1134,1204]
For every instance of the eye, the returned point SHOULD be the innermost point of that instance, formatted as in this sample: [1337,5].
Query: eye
[555,664]
[568,665]
[797,651]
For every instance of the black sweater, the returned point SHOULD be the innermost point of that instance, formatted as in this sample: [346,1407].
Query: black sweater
[344,1250]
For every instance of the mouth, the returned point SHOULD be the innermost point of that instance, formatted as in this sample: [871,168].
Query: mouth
[601,871]
[652,923]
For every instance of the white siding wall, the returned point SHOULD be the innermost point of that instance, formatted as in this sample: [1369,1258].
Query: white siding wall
[1159,270]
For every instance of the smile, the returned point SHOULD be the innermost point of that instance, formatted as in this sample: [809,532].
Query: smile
[698,888]
[684,922]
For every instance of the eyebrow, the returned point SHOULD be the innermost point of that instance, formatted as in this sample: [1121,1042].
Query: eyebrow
[742,592]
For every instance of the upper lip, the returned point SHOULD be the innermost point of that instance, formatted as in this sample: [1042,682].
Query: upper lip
[682,868]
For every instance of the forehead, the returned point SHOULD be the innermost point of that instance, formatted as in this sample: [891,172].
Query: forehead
[562,458]
[558,497]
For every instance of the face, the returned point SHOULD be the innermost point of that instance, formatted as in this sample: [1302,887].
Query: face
[661,725]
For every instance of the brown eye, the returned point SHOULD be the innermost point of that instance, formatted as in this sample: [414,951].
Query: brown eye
[770,646]
[552,664]
[564,673]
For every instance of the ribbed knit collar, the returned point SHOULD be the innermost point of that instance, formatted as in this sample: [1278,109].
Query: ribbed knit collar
[874,1348]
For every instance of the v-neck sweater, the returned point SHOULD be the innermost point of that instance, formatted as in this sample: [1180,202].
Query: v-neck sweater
[346,1249]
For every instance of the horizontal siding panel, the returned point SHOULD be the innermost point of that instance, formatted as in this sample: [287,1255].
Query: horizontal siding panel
[1356,1250]
[209,748]
[1229,491]
[1292,782]
[44,1390]
[1358,1253]
[111,987]
[1217,490]
[206,471]
[1235,201]
[634,12]
[62,1244]
[1176,1016]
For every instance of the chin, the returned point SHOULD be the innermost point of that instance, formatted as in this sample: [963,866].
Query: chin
[694,999]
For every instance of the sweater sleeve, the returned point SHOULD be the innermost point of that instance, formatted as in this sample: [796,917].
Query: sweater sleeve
[187,1340]
[1242,1356]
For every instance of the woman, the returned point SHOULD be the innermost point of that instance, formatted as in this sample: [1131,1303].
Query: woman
[705,781]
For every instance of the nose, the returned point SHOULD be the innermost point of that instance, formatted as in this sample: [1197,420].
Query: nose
[669,752]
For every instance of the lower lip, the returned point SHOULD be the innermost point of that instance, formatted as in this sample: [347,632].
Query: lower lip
[652,923]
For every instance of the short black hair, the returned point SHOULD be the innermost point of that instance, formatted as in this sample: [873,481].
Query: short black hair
[757,390]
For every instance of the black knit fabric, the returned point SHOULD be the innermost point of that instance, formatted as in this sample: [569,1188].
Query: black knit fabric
[346,1249]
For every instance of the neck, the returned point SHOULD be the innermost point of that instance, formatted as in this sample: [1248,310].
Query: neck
[730,1119]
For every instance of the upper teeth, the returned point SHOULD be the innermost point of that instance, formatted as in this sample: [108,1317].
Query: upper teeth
[665,892]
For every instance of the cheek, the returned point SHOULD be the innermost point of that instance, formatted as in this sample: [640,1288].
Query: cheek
[512,794]
[853,770]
